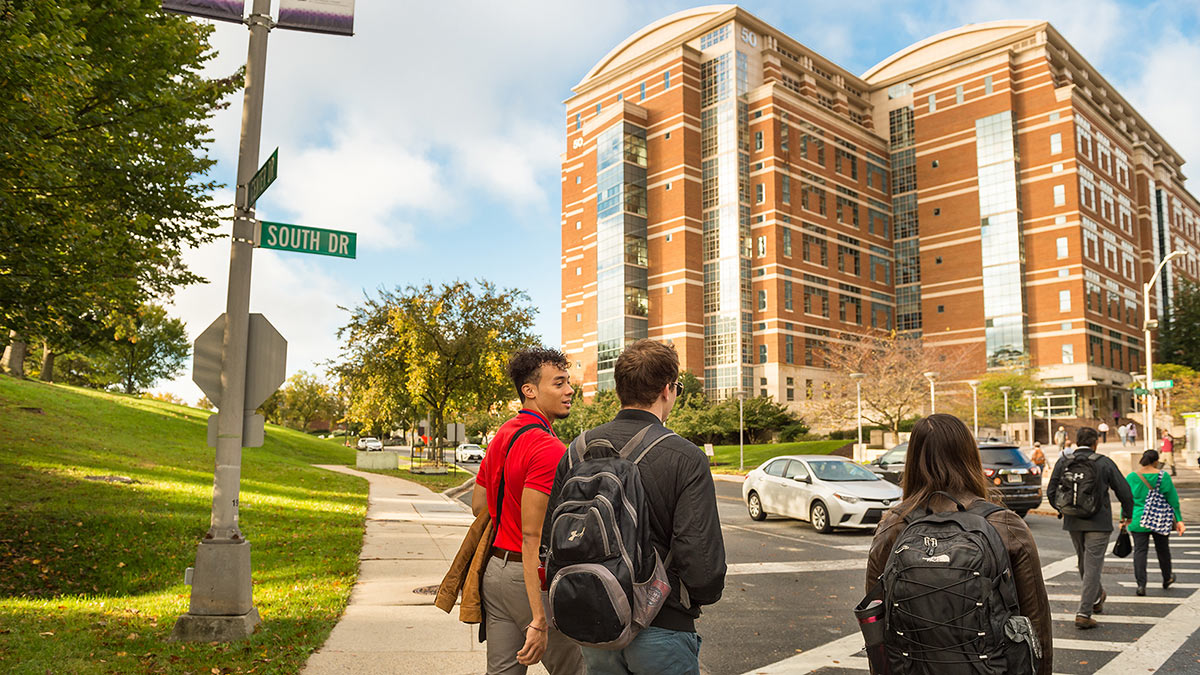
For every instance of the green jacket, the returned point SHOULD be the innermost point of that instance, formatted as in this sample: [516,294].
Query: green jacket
[1140,491]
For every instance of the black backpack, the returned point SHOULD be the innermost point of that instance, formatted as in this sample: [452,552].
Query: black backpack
[607,582]
[1079,490]
[950,600]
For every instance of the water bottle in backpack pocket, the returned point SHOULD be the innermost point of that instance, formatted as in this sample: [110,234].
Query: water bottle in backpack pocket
[607,582]
[950,599]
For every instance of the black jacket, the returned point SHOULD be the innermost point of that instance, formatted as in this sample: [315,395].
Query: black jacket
[1110,477]
[683,514]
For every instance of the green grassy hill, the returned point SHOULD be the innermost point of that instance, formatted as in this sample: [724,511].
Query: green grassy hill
[91,572]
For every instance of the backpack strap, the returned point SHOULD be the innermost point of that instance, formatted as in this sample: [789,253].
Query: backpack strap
[504,465]
[636,456]
[632,444]
[576,450]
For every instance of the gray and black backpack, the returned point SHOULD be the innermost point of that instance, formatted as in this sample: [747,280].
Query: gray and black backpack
[950,598]
[607,582]
[1079,489]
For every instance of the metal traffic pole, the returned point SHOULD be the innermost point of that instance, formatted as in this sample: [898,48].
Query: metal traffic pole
[222,608]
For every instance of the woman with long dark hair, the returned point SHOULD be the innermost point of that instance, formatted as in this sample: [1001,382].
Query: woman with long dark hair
[943,457]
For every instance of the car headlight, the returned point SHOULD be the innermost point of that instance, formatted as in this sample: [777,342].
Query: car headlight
[849,499]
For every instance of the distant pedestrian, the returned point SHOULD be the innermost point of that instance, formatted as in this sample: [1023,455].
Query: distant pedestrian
[1078,490]
[1149,519]
[1038,457]
[513,485]
[1132,434]
[1060,438]
[1167,450]
[1103,429]
[925,574]
[1123,434]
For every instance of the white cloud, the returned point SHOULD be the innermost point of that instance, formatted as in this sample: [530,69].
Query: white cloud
[1167,93]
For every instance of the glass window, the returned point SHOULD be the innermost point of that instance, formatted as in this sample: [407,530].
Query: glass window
[1061,245]
[789,349]
[787,240]
[987,85]
[1068,353]
[958,94]
[841,470]
[933,103]
[776,467]
[598,108]
[762,299]
[1055,143]
[667,80]
[786,189]
[578,121]
[760,193]
[762,353]
[762,246]
[643,91]
[758,140]
[1064,301]
[795,469]
[787,295]
[1060,195]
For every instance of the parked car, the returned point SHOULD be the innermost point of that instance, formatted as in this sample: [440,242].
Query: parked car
[370,443]
[1018,480]
[827,491]
[468,452]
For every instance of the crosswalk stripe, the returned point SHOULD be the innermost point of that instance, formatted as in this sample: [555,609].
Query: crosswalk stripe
[800,566]
[1112,618]
[1169,635]
[1147,600]
[1133,584]
[1090,645]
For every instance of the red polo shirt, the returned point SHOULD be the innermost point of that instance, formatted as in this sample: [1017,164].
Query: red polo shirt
[531,463]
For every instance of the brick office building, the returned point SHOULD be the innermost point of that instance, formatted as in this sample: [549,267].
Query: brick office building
[730,190]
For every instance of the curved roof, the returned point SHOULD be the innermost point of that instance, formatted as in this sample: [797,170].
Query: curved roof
[655,35]
[951,43]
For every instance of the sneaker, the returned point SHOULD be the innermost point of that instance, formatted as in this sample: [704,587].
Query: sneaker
[1141,590]
[1085,622]
[1167,582]
[1099,606]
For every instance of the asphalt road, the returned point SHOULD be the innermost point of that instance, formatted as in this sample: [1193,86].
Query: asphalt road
[796,614]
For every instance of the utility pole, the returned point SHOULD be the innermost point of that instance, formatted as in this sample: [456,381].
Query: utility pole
[222,607]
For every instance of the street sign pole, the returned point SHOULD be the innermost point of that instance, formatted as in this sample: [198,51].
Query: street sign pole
[222,607]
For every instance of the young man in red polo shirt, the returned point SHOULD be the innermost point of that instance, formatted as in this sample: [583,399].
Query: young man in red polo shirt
[517,632]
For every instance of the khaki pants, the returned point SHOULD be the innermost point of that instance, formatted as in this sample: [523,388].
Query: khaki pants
[506,607]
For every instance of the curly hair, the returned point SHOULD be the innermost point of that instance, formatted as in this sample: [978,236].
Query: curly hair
[525,366]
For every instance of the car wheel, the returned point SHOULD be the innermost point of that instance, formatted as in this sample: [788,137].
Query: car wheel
[1020,512]
[818,515]
[754,506]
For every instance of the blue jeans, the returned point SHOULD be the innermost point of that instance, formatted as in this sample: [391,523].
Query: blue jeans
[655,651]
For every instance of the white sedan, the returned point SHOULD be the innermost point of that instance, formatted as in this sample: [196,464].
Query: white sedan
[468,452]
[370,443]
[827,491]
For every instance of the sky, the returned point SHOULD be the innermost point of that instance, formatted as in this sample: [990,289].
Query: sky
[435,134]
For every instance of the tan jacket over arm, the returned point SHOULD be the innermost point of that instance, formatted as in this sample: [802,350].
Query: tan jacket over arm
[1022,554]
[466,572]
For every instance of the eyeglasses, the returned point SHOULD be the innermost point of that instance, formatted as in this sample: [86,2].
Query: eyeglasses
[678,387]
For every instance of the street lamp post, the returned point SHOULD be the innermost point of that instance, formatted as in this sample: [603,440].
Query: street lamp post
[1049,420]
[1147,326]
[1007,433]
[1029,405]
[741,396]
[931,375]
[974,385]
[858,378]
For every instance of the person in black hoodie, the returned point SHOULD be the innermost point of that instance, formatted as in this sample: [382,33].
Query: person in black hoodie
[1090,535]
[683,517]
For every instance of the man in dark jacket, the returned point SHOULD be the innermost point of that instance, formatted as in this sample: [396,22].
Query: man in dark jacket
[683,516]
[1090,535]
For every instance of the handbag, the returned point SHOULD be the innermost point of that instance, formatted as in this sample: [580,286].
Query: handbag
[1157,514]
[1124,546]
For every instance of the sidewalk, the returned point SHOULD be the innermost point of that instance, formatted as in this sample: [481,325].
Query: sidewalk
[412,534]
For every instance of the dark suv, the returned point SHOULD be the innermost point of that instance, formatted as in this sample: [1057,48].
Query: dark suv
[1018,480]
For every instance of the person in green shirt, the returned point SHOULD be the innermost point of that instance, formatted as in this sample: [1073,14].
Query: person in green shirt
[1141,481]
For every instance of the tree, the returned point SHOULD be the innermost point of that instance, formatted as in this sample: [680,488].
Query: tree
[761,416]
[305,399]
[102,167]
[1185,395]
[587,415]
[147,347]
[450,346]
[205,404]
[894,388]
[1178,339]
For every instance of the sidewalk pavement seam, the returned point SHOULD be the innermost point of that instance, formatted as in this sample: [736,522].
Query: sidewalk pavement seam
[410,536]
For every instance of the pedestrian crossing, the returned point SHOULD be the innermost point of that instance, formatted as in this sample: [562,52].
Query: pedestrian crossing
[1116,647]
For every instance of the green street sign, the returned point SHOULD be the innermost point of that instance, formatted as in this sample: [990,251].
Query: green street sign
[262,180]
[300,239]
[1140,391]
[1164,384]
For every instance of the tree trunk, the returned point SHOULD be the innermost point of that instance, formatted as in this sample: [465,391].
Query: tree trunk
[47,374]
[14,356]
